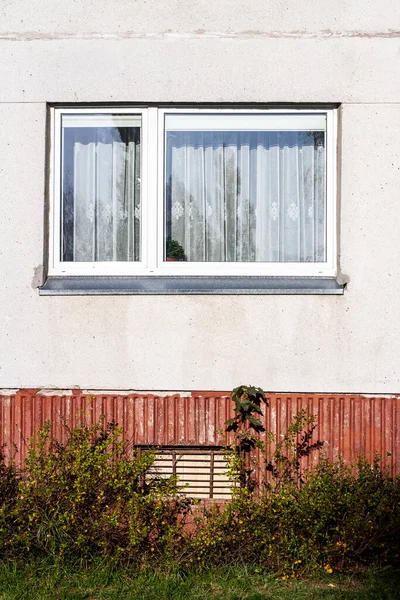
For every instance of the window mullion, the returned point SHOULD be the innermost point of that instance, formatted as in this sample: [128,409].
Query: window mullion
[151,239]
[161,188]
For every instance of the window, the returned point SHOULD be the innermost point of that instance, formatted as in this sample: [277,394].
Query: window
[201,471]
[172,191]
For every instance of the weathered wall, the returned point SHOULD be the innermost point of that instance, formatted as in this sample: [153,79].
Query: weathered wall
[349,426]
[221,51]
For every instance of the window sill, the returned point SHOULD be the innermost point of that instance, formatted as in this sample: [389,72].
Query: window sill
[201,285]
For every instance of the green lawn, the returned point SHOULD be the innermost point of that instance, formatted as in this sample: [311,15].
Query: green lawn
[50,581]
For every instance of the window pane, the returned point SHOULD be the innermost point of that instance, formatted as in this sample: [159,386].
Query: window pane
[245,195]
[100,188]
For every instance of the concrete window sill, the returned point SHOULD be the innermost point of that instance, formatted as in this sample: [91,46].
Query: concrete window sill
[112,286]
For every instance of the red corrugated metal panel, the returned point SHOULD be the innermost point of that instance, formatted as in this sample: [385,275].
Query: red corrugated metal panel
[350,425]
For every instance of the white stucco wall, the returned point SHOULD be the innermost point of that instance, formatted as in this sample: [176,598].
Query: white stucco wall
[201,51]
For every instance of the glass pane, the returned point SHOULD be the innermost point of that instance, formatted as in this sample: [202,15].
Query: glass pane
[245,196]
[100,188]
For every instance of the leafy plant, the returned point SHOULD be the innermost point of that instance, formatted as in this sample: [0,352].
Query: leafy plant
[284,461]
[175,250]
[90,495]
[9,484]
[282,456]
[246,427]
[339,517]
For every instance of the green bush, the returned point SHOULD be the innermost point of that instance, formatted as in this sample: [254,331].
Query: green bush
[90,495]
[337,517]
[9,483]
[329,517]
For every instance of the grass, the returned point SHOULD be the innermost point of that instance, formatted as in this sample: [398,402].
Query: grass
[45,580]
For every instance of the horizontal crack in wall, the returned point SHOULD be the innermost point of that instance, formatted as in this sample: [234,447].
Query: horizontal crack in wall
[29,36]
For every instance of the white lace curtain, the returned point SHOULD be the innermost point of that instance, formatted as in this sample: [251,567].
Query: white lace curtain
[247,196]
[101,202]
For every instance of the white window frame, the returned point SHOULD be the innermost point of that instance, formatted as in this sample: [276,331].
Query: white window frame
[152,260]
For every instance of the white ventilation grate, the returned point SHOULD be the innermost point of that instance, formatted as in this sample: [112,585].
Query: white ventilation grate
[201,471]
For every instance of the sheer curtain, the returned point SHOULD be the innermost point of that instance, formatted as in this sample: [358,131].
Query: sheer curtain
[247,195]
[101,194]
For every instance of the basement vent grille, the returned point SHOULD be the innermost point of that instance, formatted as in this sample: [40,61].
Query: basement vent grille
[201,471]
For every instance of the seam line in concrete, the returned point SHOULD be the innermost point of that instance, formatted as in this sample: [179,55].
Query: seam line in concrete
[327,34]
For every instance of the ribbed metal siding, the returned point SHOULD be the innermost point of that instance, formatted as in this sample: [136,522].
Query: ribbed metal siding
[350,425]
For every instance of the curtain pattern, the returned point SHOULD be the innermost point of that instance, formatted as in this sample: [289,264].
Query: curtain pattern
[101,194]
[247,196]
